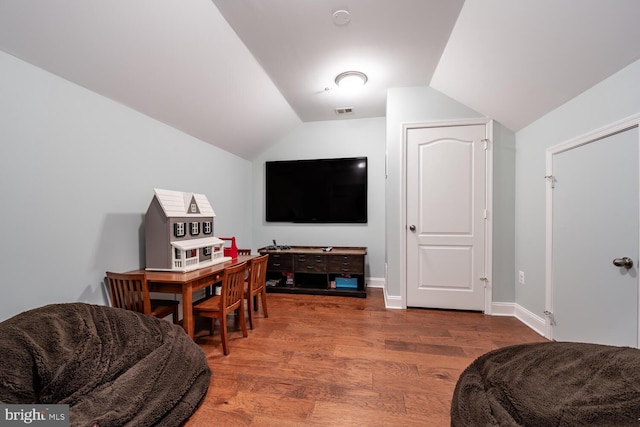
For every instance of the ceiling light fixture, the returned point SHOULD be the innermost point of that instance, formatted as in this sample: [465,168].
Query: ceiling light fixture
[351,79]
[341,17]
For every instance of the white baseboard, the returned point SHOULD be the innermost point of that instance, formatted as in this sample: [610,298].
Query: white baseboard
[375,282]
[530,319]
[503,309]
[512,309]
[391,302]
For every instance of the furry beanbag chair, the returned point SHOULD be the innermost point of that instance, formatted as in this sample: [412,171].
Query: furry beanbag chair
[113,367]
[550,384]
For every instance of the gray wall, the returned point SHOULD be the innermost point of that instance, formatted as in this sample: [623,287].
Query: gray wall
[613,99]
[327,139]
[504,184]
[77,173]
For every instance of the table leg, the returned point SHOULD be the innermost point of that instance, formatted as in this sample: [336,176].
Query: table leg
[187,311]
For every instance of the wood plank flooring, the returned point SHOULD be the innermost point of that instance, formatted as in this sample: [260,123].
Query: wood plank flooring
[338,361]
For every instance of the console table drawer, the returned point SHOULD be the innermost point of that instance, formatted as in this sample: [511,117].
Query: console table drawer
[280,262]
[305,263]
[345,264]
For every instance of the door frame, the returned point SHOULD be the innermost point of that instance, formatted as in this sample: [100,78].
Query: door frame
[595,135]
[488,224]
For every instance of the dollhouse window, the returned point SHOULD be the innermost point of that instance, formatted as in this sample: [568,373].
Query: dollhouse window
[178,253]
[206,227]
[195,228]
[194,208]
[206,251]
[178,229]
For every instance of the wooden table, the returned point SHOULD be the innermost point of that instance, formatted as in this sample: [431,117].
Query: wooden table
[186,284]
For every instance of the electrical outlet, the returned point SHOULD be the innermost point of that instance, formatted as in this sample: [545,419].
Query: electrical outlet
[521,277]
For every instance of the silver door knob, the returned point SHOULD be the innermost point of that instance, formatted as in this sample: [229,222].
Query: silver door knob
[625,262]
[412,227]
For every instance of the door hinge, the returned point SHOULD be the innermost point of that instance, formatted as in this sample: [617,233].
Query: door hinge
[485,213]
[551,179]
[485,141]
[485,280]
[549,315]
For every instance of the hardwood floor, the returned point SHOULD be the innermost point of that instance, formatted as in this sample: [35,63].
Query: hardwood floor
[337,361]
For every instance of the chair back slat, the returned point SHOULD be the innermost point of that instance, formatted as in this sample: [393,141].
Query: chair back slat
[232,292]
[258,274]
[129,291]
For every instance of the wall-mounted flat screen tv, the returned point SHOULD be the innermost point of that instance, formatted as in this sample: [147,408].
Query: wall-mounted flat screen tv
[317,191]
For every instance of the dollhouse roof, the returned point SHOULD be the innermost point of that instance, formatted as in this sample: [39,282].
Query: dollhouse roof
[178,203]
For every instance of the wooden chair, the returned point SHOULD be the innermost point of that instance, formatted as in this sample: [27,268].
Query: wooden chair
[256,285]
[210,290]
[230,300]
[131,292]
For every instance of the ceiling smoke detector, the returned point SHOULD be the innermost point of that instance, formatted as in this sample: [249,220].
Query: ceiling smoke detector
[341,17]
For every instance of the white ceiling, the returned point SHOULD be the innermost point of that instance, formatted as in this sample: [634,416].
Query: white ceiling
[240,74]
[396,43]
[516,60]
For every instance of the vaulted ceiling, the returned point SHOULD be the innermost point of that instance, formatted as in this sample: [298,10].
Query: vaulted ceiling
[240,74]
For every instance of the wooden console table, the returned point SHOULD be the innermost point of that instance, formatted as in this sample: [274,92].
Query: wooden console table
[311,270]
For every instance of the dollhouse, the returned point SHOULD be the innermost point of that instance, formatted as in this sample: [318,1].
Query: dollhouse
[179,232]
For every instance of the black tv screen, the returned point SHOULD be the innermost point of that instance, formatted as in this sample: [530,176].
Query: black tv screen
[317,191]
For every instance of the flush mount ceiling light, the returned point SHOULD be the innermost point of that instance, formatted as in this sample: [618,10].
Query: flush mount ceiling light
[341,17]
[351,79]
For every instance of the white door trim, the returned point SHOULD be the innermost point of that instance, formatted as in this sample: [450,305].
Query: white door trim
[488,260]
[613,128]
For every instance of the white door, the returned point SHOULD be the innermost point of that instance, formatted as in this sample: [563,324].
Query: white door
[595,220]
[446,192]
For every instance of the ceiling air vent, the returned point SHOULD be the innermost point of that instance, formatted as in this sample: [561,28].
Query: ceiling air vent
[344,110]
